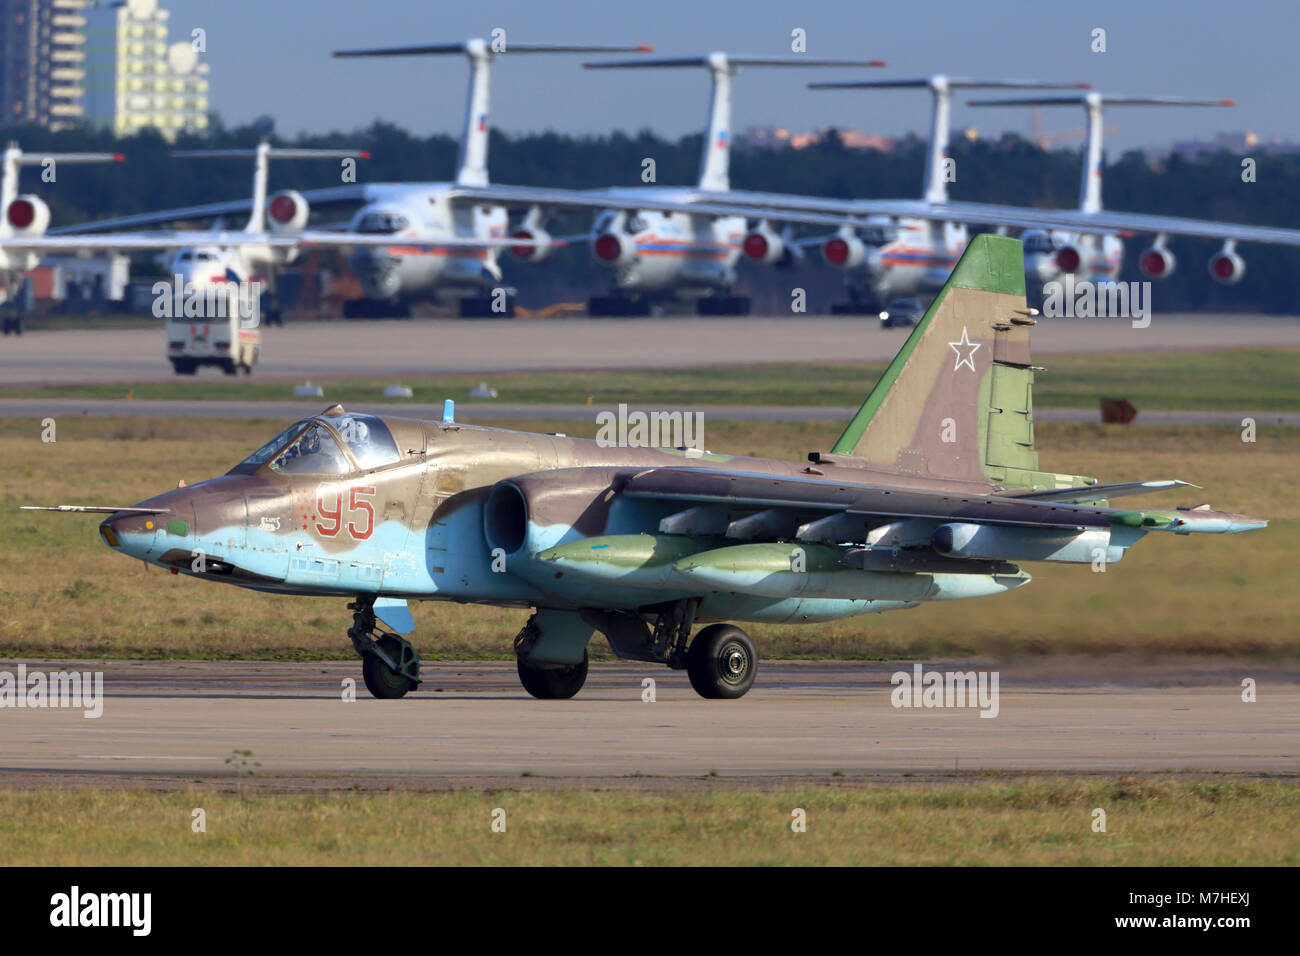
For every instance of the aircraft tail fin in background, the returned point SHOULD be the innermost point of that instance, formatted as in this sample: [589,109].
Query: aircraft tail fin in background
[262,157]
[1092,102]
[940,87]
[13,158]
[471,165]
[715,161]
[957,400]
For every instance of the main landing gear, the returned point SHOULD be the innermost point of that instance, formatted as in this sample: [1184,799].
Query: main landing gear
[720,661]
[389,663]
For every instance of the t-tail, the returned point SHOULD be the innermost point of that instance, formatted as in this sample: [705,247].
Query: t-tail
[13,161]
[715,160]
[262,156]
[941,87]
[471,166]
[1093,102]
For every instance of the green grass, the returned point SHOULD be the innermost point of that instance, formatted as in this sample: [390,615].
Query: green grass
[1244,379]
[1036,821]
[67,595]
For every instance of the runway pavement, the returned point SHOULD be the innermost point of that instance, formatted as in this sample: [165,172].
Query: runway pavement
[177,722]
[336,349]
[478,412]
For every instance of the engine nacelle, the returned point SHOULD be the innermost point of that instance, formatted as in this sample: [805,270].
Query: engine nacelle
[28,216]
[287,211]
[613,249]
[1157,263]
[1068,259]
[532,254]
[1227,267]
[844,252]
[765,246]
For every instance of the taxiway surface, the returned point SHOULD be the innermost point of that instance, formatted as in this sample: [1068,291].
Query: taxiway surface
[471,722]
[311,349]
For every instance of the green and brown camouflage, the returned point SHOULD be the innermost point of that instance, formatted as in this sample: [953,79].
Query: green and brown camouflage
[932,493]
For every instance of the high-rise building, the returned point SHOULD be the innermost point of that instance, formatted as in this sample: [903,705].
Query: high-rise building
[135,78]
[42,62]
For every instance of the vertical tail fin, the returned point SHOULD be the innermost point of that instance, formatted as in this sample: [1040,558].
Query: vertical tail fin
[940,87]
[14,158]
[262,157]
[471,165]
[1092,103]
[715,159]
[956,401]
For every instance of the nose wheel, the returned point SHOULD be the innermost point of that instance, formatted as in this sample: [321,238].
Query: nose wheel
[721,662]
[389,664]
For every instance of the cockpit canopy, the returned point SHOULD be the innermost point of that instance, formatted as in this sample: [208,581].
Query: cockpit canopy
[331,444]
[382,223]
[1037,241]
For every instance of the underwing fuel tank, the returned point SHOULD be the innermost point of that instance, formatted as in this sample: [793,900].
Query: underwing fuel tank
[816,571]
[996,542]
[631,560]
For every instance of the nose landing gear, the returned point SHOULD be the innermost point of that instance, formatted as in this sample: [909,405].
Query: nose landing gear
[389,664]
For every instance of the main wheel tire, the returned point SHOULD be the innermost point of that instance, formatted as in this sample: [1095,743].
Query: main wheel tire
[381,680]
[556,683]
[721,662]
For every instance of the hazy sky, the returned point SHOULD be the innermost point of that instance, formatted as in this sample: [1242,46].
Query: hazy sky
[272,56]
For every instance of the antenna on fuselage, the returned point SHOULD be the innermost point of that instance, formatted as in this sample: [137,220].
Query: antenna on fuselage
[941,87]
[471,166]
[1092,102]
[715,161]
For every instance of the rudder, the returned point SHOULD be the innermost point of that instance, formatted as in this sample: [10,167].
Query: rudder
[957,400]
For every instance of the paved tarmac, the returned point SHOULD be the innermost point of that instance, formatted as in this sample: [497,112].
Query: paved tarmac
[302,350]
[470,724]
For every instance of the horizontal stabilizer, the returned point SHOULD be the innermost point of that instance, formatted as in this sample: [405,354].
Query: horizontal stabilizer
[951,82]
[1083,99]
[436,49]
[726,59]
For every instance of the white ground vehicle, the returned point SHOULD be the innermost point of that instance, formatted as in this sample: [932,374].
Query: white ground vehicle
[230,342]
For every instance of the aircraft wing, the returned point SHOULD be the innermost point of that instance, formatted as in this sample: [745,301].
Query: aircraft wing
[135,241]
[805,494]
[707,204]
[1103,222]
[233,207]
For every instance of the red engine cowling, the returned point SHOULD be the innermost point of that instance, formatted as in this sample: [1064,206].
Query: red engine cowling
[1157,263]
[844,252]
[613,249]
[28,216]
[1068,259]
[287,211]
[765,246]
[529,253]
[1227,267]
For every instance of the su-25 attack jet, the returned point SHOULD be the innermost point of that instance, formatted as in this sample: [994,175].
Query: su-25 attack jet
[931,493]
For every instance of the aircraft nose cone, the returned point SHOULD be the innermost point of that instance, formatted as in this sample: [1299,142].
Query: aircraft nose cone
[133,534]
[376,270]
